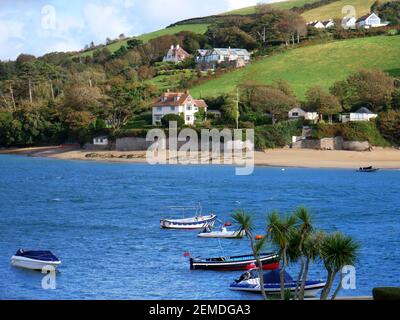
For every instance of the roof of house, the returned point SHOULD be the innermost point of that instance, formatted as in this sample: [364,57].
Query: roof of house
[365,17]
[231,51]
[171,99]
[200,103]
[178,52]
[364,110]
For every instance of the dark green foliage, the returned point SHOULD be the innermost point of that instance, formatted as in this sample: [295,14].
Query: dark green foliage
[276,136]
[354,131]
[389,11]
[386,294]
[389,125]
[172,117]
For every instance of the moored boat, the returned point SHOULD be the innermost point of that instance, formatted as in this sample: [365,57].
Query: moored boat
[250,282]
[368,169]
[34,260]
[199,221]
[270,261]
[223,233]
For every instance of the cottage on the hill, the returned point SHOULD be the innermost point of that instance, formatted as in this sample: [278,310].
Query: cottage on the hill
[176,54]
[299,113]
[230,56]
[322,24]
[179,103]
[362,114]
[370,20]
[349,23]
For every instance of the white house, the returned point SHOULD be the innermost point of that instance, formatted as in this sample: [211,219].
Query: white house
[322,24]
[349,23]
[100,141]
[299,113]
[176,54]
[216,56]
[179,103]
[363,114]
[370,20]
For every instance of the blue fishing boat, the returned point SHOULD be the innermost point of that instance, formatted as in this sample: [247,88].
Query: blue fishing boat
[34,260]
[250,282]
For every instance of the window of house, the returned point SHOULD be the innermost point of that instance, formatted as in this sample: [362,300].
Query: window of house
[295,114]
[159,108]
[172,108]
[188,108]
[188,118]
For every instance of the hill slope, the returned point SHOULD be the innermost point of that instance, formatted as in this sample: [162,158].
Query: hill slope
[284,5]
[196,28]
[315,65]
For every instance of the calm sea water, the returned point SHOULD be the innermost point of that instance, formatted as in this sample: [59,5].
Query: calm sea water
[102,220]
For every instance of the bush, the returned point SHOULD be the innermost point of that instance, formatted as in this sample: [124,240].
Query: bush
[353,131]
[386,294]
[172,117]
[276,136]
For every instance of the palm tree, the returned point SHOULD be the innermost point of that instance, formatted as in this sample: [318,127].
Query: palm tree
[246,225]
[337,251]
[280,232]
[304,227]
[311,250]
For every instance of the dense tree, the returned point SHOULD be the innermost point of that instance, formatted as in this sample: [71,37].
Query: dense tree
[369,88]
[322,101]
[389,125]
[388,11]
[230,37]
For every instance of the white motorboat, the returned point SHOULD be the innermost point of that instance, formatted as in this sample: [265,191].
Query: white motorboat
[223,233]
[34,260]
[199,221]
[250,282]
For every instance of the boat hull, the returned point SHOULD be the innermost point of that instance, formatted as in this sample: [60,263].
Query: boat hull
[222,235]
[311,289]
[188,224]
[270,262]
[32,264]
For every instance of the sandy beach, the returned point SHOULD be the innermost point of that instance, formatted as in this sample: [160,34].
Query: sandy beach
[381,158]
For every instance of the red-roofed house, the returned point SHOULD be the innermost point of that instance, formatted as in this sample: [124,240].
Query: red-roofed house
[176,55]
[179,103]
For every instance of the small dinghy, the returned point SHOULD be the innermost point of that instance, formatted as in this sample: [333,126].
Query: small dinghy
[270,261]
[250,282]
[197,222]
[368,169]
[223,233]
[34,260]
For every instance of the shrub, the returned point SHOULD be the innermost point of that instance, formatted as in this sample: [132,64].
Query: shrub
[172,117]
[353,131]
[276,136]
[386,293]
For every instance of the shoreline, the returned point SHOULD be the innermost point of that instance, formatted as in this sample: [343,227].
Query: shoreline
[388,158]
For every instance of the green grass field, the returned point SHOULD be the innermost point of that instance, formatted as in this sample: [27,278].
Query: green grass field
[284,5]
[196,28]
[314,65]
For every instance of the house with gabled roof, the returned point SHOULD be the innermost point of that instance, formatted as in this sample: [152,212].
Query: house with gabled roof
[217,56]
[322,24]
[178,103]
[370,20]
[176,54]
[362,114]
[349,23]
[299,113]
